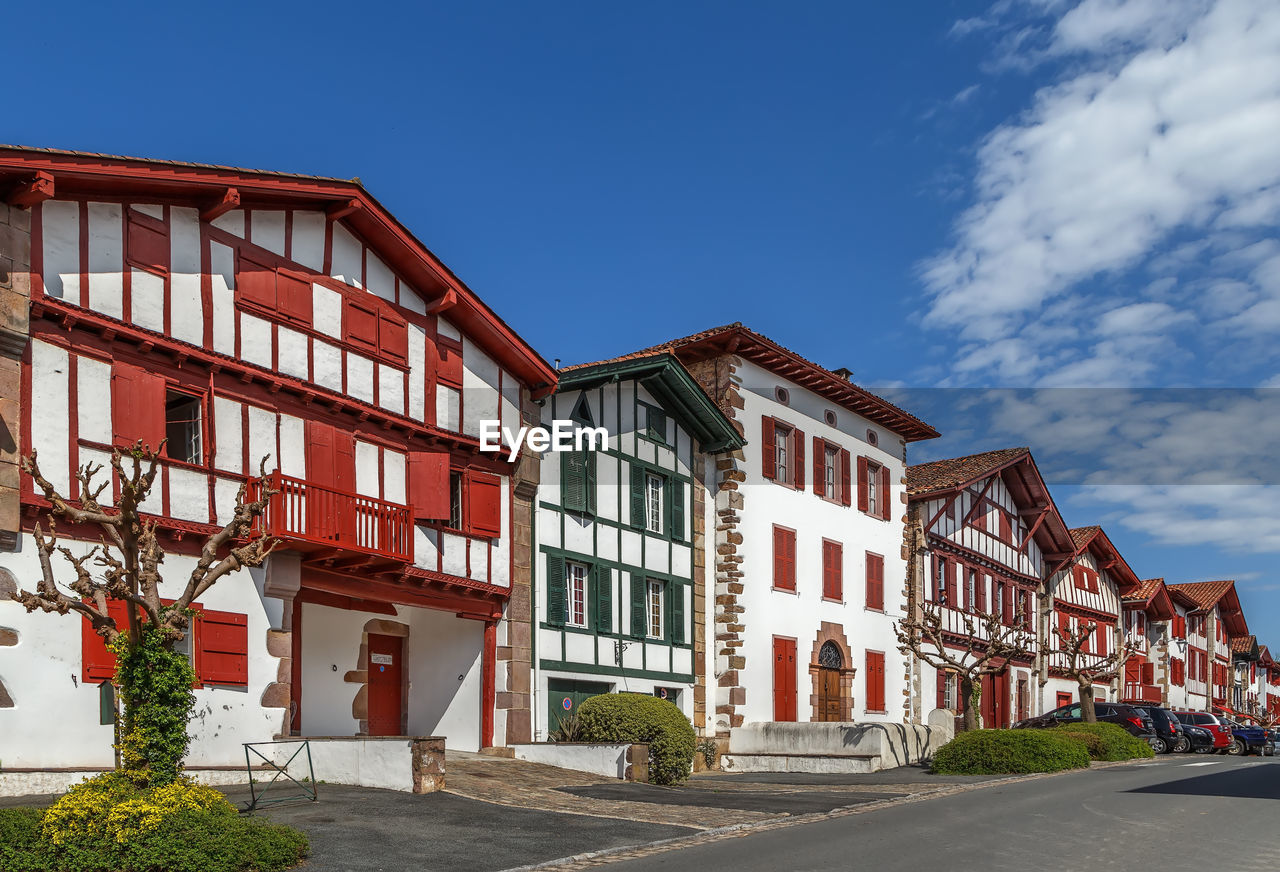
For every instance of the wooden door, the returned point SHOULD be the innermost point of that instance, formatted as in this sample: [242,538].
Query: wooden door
[784,679]
[1001,699]
[331,466]
[828,694]
[1132,671]
[386,685]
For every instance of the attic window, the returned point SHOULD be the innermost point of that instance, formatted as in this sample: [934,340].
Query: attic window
[582,412]
[830,417]
[782,395]
[872,438]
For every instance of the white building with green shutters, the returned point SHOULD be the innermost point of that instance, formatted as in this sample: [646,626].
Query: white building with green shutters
[620,570]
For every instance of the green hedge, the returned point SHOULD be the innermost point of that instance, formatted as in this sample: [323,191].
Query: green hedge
[638,717]
[1002,752]
[1107,741]
[189,842]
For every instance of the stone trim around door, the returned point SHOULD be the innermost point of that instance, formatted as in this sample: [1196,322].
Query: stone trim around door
[829,632]
[360,676]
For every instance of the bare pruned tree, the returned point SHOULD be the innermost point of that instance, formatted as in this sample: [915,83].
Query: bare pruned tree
[125,564]
[1263,716]
[980,645]
[1086,667]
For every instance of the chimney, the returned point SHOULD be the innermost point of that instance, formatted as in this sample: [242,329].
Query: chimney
[844,372]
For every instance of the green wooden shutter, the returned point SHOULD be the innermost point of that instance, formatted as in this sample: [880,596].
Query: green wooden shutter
[555,591]
[638,627]
[637,495]
[675,509]
[573,481]
[603,577]
[589,498]
[675,612]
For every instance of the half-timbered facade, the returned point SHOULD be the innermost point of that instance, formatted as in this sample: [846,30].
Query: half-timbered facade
[1242,695]
[1148,613]
[1087,590]
[1268,687]
[253,321]
[620,587]
[1207,617]
[991,529]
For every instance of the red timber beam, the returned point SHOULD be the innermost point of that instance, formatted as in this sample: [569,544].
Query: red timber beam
[229,200]
[29,193]
[1031,531]
[485,607]
[488,683]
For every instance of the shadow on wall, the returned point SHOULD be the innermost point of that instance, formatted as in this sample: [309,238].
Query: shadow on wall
[898,744]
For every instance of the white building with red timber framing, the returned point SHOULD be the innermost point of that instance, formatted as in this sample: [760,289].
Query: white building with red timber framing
[1087,590]
[1268,687]
[1148,613]
[991,533]
[1207,616]
[246,315]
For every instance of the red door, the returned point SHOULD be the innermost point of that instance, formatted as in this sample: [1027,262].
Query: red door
[385,686]
[331,466]
[784,679]
[1063,699]
[995,700]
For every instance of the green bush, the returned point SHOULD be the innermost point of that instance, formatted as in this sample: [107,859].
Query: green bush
[190,839]
[1108,741]
[1002,752]
[638,717]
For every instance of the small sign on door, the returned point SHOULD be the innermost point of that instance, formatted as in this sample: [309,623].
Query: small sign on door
[381,659]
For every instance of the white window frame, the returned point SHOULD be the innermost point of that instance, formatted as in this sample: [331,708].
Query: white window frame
[873,489]
[831,461]
[654,486]
[654,607]
[190,447]
[782,456]
[949,685]
[575,600]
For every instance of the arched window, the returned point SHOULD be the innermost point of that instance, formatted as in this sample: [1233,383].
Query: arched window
[829,656]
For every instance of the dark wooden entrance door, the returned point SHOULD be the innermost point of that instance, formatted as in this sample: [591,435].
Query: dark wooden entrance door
[386,685]
[828,694]
[784,679]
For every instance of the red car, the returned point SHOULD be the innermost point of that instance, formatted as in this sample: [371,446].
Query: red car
[1221,732]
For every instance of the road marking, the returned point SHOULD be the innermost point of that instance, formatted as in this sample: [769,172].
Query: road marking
[1205,763]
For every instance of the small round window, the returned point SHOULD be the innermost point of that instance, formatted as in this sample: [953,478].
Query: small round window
[830,417]
[782,395]
[872,438]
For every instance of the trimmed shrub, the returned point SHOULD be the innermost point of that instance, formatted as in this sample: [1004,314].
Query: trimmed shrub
[638,717]
[1003,752]
[106,825]
[1108,741]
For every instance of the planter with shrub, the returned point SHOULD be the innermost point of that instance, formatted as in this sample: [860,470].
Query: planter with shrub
[1005,752]
[636,717]
[1107,741]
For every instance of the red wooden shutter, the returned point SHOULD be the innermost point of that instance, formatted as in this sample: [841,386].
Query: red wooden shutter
[875,681]
[952,599]
[222,646]
[784,558]
[98,664]
[393,336]
[769,459]
[832,570]
[429,485]
[886,511]
[1132,672]
[360,324]
[1077,576]
[147,242]
[1006,528]
[256,282]
[331,457]
[450,368]
[941,678]
[983,580]
[875,581]
[819,467]
[846,493]
[797,444]
[293,297]
[1148,673]
[1006,606]
[484,504]
[862,483]
[137,406]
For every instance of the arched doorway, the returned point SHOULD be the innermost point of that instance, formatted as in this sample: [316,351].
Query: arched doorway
[830,664]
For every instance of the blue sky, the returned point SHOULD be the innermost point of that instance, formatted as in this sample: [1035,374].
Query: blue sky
[1035,194]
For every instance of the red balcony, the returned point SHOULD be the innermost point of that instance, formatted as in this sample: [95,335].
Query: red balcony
[329,523]
[1149,693]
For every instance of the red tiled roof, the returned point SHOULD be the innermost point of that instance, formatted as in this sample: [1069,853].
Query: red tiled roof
[736,339]
[1146,589]
[1243,644]
[177,163]
[1202,594]
[1081,535]
[939,475]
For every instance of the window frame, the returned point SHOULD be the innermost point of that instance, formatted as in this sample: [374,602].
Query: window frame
[654,498]
[198,397]
[655,594]
[575,595]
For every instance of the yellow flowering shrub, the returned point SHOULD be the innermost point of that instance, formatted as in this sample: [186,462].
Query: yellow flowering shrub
[109,805]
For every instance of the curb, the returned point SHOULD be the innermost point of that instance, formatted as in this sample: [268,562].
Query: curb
[633,852]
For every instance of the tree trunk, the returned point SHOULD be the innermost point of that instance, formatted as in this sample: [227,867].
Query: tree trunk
[1087,711]
[970,691]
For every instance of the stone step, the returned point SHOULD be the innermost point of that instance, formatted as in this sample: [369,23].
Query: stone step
[499,751]
[807,763]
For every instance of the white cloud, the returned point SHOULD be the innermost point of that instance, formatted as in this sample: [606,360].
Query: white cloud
[1234,518]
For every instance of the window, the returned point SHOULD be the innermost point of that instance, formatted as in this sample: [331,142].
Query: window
[578,481]
[832,461]
[455,500]
[784,558]
[182,424]
[874,496]
[782,452]
[654,485]
[576,601]
[654,596]
[970,589]
[217,644]
[875,581]
[655,423]
[873,488]
[782,435]
[875,682]
[832,570]
[948,697]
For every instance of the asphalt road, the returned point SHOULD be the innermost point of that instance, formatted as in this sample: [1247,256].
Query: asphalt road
[1172,814]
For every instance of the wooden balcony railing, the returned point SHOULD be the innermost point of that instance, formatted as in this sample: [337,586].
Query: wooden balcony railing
[305,513]
[1142,693]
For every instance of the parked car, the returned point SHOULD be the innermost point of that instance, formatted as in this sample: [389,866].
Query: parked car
[1167,726]
[1221,732]
[1196,739]
[1137,722]
[1247,739]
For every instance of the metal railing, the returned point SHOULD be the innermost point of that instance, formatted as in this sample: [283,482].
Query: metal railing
[306,512]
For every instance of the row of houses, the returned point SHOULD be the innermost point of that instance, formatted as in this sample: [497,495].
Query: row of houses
[743,542]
